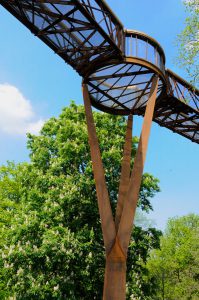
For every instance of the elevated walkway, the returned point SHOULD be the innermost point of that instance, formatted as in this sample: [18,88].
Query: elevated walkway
[117,64]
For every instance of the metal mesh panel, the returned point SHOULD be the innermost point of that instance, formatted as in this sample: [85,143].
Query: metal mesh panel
[178,117]
[121,88]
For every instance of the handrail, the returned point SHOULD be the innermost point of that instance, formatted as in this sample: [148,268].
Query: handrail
[140,45]
[113,15]
[182,90]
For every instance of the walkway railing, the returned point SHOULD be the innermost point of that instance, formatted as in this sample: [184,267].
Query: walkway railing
[139,45]
[182,90]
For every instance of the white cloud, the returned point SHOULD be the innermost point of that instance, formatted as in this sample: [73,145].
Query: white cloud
[16,112]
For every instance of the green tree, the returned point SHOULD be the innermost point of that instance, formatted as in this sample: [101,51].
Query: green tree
[10,193]
[176,266]
[189,41]
[54,249]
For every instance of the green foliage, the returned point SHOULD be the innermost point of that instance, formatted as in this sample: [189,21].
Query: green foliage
[176,266]
[10,193]
[54,249]
[189,41]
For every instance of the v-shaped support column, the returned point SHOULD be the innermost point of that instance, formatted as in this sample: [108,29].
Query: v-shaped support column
[117,234]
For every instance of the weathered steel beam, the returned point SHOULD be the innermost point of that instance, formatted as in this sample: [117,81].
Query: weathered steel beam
[127,218]
[107,222]
[125,172]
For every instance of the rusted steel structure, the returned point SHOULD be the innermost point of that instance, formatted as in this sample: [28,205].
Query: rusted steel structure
[123,73]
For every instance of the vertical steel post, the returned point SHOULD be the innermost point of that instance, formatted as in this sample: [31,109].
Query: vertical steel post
[115,274]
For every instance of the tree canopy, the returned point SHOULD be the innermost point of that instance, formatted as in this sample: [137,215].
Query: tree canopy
[189,41]
[10,194]
[53,247]
[175,266]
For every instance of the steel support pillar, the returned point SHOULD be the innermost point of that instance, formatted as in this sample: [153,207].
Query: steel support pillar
[125,172]
[107,222]
[116,234]
[128,214]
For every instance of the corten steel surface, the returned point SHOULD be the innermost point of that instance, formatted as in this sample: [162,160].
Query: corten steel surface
[107,222]
[125,172]
[117,234]
[126,224]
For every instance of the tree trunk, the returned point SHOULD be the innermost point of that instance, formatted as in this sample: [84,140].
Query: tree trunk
[115,274]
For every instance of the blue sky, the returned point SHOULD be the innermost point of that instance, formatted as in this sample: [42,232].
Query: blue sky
[44,84]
